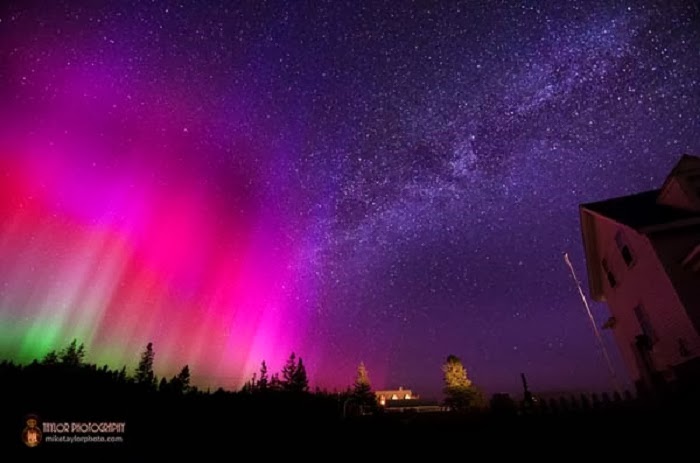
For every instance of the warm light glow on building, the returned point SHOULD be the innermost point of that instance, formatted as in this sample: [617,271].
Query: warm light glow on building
[394,394]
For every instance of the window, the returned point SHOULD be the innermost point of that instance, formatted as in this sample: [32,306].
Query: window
[608,273]
[624,249]
[394,397]
[644,322]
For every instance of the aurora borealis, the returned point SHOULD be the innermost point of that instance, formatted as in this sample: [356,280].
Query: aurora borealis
[387,182]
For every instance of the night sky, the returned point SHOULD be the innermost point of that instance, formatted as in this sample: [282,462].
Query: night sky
[387,182]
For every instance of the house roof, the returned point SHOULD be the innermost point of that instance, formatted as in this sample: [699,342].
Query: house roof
[639,211]
[685,163]
[644,212]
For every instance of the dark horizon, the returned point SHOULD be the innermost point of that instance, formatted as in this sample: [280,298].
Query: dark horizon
[92,409]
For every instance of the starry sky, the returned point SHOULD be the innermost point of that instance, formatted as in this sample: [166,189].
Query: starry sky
[387,182]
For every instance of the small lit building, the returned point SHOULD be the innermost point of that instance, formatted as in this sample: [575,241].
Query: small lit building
[404,400]
[394,394]
[643,259]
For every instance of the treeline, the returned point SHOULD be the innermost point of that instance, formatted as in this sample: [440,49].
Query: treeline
[159,412]
[68,367]
[70,361]
[66,370]
[294,378]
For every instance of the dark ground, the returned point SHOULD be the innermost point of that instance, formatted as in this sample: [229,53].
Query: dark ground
[310,427]
[175,428]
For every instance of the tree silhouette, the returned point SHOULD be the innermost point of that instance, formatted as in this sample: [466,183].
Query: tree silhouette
[288,372]
[247,388]
[251,385]
[73,355]
[51,358]
[460,393]
[144,372]
[275,383]
[122,376]
[263,382]
[300,381]
[294,375]
[180,384]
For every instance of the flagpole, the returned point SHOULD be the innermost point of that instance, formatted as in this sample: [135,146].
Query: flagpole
[598,337]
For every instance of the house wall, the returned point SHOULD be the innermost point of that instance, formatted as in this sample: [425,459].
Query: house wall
[672,247]
[645,283]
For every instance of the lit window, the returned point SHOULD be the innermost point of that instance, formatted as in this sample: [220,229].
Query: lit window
[611,278]
[407,397]
[394,397]
[624,249]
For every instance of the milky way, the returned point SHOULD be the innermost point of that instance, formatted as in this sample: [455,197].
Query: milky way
[387,182]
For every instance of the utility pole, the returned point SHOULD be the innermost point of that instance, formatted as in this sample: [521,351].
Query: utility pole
[601,344]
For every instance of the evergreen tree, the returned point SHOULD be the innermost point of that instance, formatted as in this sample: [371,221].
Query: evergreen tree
[460,393]
[51,358]
[300,381]
[263,382]
[289,371]
[362,382]
[250,385]
[73,355]
[121,376]
[275,383]
[144,372]
[362,389]
[455,373]
[180,384]
[163,385]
